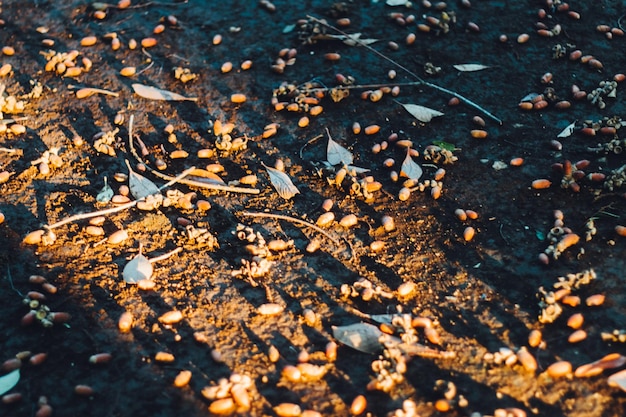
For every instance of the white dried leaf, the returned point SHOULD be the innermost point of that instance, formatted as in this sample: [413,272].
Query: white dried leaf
[618,380]
[153,93]
[470,67]
[106,193]
[337,154]
[567,131]
[282,183]
[138,269]
[140,186]
[8,381]
[410,168]
[289,28]
[363,337]
[421,113]
[353,39]
[499,165]
[357,170]
[394,3]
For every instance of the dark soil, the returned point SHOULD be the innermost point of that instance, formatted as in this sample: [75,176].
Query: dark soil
[482,294]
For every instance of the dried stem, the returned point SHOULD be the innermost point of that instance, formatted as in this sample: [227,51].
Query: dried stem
[298,221]
[165,255]
[9,150]
[128,205]
[220,187]
[12,120]
[408,71]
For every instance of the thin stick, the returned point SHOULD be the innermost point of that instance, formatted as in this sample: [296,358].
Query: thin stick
[9,150]
[111,210]
[13,120]
[408,71]
[298,221]
[10,278]
[193,183]
[165,255]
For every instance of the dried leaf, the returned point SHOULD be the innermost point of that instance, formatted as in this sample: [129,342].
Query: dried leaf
[393,3]
[203,173]
[8,381]
[357,170]
[410,168]
[106,193]
[282,183]
[445,145]
[567,131]
[139,268]
[360,336]
[353,39]
[421,113]
[153,93]
[338,94]
[529,97]
[618,380]
[140,186]
[337,154]
[470,67]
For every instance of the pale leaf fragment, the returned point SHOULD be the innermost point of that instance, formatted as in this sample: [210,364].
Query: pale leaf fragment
[337,154]
[618,380]
[282,183]
[106,193]
[357,170]
[352,39]
[138,269]
[410,168]
[421,113]
[8,381]
[393,3]
[567,131]
[363,337]
[470,67]
[140,186]
[153,93]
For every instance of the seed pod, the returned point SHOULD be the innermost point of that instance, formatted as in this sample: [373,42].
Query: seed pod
[527,360]
[38,359]
[435,192]
[619,229]
[388,223]
[84,390]
[217,39]
[356,128]
[11,365]
[349,220]
[358,406]
[559,369]
[171,317]
[128,71]
[238,98]
[148,42]
[325,219]
[11,398]
[94,230]
[240,396]
[165,357]
[223,406]
[404,194]
[523,38]
[288,410]
[331,351]
[571,300]
[291,373]
[471,214]
[577,336]
[125,322]
[303,122]
[270,309]
[541,184]
[575,321]
[595,300]
[566,241]
[88,41]
[525,105]
[5,70]
[100,358]
[273,354]
[432,335]
[45,410]
[182,379]
[372,129]
[377,246]
[534,338]
[468,233]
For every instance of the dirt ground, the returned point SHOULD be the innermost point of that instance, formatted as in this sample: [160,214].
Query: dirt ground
[461,306]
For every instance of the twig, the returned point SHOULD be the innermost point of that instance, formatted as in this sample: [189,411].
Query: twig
[13,120]
[193,183]
[165,255]
[9,150]
[10,278]
[408,71]
[298,221]
[111,210]
[308,143]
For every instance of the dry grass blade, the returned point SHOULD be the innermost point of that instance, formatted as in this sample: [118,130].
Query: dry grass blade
[470,67]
